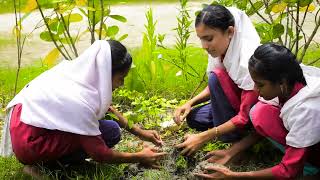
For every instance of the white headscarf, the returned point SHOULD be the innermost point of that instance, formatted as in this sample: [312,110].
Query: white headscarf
[301,113]
[71,96]
[244,42]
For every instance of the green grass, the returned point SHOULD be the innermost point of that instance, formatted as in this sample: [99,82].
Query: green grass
[8,78]
[168,85]
[10,168]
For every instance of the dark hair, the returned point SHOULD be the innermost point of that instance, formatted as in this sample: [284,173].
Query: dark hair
[121,59]
[275,62]
[215,16]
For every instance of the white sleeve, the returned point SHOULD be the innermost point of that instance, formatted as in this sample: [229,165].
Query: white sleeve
[304,124]
[5,145]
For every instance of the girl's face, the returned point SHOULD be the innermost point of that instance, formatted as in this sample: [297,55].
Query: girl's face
[266,89]
[118,79]
[214,40]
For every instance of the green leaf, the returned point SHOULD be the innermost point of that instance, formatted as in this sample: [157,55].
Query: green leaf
[118,18]
[107,12]
[265,32]
[303,3]
[91,9]
[290,32]
[290,1]
[52,57]
[57,27]
[161,37]
[242,4]
[279,7]
[256,7]
[59,1]
[46,36]
[97,17]
[281,17]
[112,31]
[277,30]
[67,40]
[270,6]
[123,37]
[63,7]
[30,6]
[197,13]
[83,12]
[74,17]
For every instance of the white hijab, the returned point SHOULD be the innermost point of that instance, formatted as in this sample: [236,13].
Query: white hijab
[71,96]
[242,46]
[301,113]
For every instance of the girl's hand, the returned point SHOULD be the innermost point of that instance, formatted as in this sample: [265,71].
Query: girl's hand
[221,173]
[219,156]
[183,110]
[192,142]
[149,157]
[151,136]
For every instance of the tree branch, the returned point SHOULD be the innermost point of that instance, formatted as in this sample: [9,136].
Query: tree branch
[314,32]
[50,32]
[297,30]
[257,12]
[101,20]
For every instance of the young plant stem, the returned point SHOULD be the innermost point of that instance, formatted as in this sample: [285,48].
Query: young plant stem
[310,63]
[65,49]
[269,15]
[291,26]
[287,28]
[199,85]
[50,32]
[18,40]
[69,36]
[257,12]
[93,24]
[66,37]
[101,20]
[297,30]
[314,32]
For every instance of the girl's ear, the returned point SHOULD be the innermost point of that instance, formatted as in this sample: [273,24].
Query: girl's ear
[230,31]
[283,81]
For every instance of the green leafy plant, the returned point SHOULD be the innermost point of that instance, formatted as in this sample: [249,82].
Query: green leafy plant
[183,34]
[148,71]
[20,37]
[97,15]
[63,35]
[211,146]
[181,162]
[144,110]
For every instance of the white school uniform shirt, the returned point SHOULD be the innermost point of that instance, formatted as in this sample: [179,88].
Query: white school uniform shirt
[301,113]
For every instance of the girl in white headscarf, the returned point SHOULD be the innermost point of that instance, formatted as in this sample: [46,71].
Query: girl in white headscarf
[230,38]
[293,126]
[57,116]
